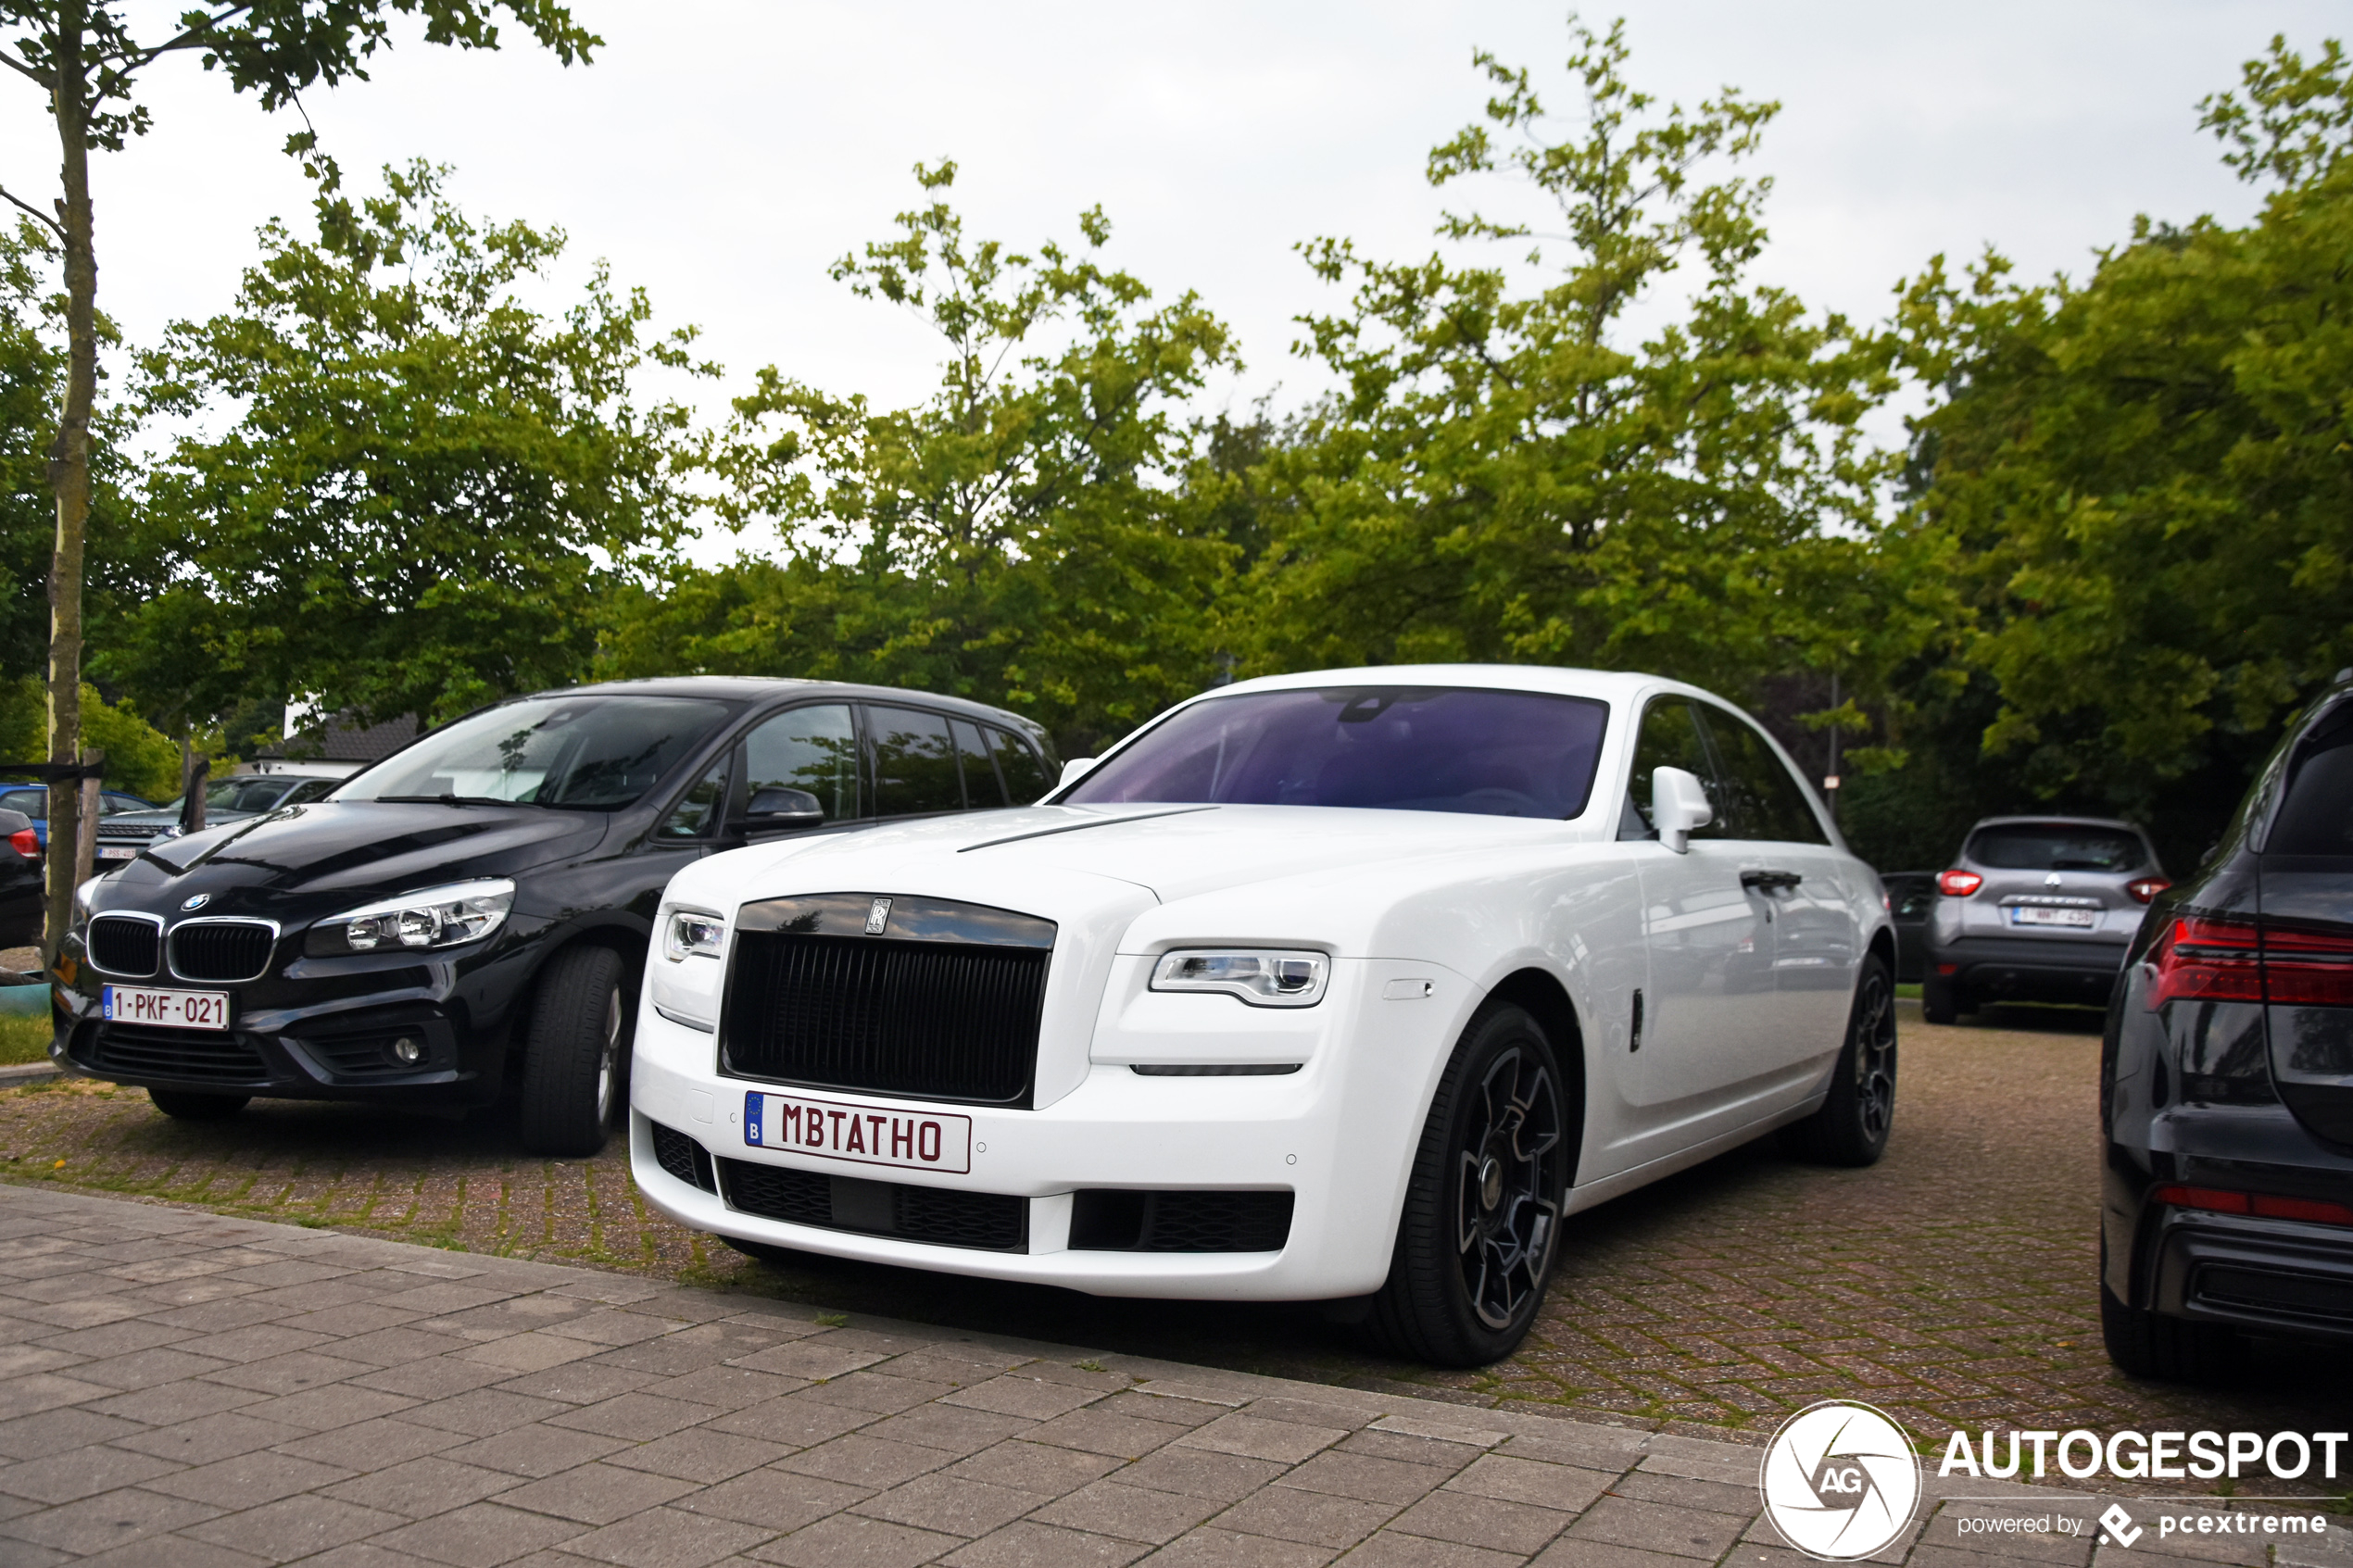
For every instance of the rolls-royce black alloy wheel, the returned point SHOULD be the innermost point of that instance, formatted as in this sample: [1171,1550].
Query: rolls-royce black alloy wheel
[1852,1126]
[1476,1240]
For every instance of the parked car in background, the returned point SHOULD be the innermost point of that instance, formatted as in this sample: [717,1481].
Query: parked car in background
[233,800]
[2037,909]
[2226,1081]
[34,801]
[1347,985]
[22,880]
[1910,896]
[474,911]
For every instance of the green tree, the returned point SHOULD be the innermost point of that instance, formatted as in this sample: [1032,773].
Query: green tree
[1508,474]
[2142,486]
[86,59]
[427,486]
[1022,536]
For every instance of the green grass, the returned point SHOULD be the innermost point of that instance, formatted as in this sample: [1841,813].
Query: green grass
[1909,988]
[23,1039]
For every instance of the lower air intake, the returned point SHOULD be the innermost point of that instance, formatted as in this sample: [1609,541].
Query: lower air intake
[988,1221]
[173,1054]
[1104,1220]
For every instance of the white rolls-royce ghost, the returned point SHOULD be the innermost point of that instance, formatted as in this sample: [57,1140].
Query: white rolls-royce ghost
[1334,987]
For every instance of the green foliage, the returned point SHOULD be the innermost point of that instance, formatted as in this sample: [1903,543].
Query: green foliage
[2143,486]
[1018,537]
[428,485]
[140,759]
[1507,477]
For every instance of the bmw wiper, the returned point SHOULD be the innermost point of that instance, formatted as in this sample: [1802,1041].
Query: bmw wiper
[451,800]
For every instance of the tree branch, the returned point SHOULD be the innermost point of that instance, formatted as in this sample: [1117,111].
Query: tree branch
[135,58]
[54,227]
[26,71]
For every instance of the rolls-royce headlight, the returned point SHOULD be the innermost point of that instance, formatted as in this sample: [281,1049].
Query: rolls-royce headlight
[689,933]
[432,917]
[1263,977]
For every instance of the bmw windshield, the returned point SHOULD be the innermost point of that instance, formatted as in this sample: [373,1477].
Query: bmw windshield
[1400,749]
[577,753]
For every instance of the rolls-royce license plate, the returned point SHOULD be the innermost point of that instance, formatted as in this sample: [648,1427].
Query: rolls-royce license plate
[2029,914]
[862,1135]
[165,1009]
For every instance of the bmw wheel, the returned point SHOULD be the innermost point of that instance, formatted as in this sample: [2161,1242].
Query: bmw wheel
[573,1055]
[1479,1235]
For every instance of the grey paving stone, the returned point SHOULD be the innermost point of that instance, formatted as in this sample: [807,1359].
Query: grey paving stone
[639,1417]
[1677,1491]
[112,1339]
[1472,1520]
[691,1350]
[1389,1550]
[248,1480]
[596,1494]
[89,1525]
[792,1420]
[1026,1543]
[1034,1467]
[610,1328]
[169,1551]
[701,1455]
[1102,1432]
[1173,1408]
[481,1535]
[775,1499]
[210,1437]
[421,1488]
[873,1391]
[1222,1549]
[861,1461]
[1531,1481]
[46,1391]
[82,1473]
[1364,1477]
[1251,1436]
[949,1428]
[587,1382]
[484,1411]
[1449,1458]
[33,1436]
[1651,1526]
[949,1505]
[258,1342]
[176,1403]
[534,1450]
[436,1377]
[146,1369]
[821,1356]
[368,1444]
[1317,1518]
[664,1538]
[293,1527]
[17,1359]
[848,1541]
[1567,1553]
[1201,1473]
[1136,1513]
[336,1405]
[290,1373]
[729,1388]
[1013,1394]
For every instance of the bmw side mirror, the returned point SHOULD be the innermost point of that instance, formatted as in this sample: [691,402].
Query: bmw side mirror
[1678,804]
[1075,770]
[776,808]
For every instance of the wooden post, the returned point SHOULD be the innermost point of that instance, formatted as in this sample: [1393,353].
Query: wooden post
[85,849]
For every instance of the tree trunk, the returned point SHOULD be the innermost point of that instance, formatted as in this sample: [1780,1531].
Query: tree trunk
[69,474]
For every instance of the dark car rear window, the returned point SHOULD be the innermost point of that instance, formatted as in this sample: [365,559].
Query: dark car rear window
[1400,749]
[2056,846]
[2317,816]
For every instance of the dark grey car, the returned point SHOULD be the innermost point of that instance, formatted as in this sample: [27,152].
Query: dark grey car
[2037,909]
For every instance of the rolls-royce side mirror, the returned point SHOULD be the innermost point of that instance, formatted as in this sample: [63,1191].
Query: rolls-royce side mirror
[1075,770]
[1678,804]
[776,808]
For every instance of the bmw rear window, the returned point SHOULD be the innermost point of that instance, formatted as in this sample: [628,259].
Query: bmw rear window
[2056,846]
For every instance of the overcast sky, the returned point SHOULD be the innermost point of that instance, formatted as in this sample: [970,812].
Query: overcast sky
[720,151]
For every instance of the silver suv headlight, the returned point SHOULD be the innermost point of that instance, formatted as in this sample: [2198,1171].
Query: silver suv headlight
[1263,977]
[449,916]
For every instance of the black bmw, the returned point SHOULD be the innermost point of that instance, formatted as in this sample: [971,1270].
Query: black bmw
[472,914]
[2226,1087]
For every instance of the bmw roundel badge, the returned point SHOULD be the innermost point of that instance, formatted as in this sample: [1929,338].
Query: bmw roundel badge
[198,902]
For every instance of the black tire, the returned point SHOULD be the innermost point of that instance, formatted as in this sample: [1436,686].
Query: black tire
[1938,1005]
[1852,1126]
[762,1251]
[1477,1242]
[573,1056]
[2150,1345]
[188,1105]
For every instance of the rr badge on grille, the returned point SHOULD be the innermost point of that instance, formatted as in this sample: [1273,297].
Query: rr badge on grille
[877,917]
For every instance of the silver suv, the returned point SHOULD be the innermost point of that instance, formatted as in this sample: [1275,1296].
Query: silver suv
[2037,909]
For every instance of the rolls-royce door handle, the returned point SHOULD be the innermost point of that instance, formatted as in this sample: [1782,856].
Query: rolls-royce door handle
[1769,882]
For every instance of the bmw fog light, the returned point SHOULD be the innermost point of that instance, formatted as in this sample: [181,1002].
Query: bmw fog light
[1262,977]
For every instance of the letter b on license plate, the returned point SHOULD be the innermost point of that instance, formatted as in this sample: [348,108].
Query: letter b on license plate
[863,1134]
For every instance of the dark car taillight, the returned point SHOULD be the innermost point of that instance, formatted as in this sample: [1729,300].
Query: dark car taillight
[1958,884]
[2269,1206]
[2243,960]
[25,842]
[2143,889]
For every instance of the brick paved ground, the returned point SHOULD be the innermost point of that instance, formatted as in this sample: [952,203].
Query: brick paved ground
[196,1391]
[1952,1284]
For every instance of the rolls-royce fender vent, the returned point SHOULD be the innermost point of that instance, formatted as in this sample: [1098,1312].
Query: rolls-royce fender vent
[918,999]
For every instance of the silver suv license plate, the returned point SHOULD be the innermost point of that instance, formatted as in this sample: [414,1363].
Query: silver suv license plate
[863,1134]
[165,1009]
[2030,915]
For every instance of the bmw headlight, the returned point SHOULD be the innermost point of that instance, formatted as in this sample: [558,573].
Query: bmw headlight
[434,917]
[1263,977]
[690,934]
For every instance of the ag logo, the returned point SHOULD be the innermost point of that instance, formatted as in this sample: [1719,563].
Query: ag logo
[1839,1481]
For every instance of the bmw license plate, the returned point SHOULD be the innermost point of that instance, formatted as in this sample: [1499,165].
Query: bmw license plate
[2030,915]
[862,1135]
[165,1009]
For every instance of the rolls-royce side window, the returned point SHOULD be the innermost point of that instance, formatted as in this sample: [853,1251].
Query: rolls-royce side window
[1761,800]
[814,749]
[1669,737]
[915,762]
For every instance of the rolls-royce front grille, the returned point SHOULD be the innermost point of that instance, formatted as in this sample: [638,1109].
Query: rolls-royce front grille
[122,946]
[989,1221]
[186,1055]
[925,1020]
[221,950]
